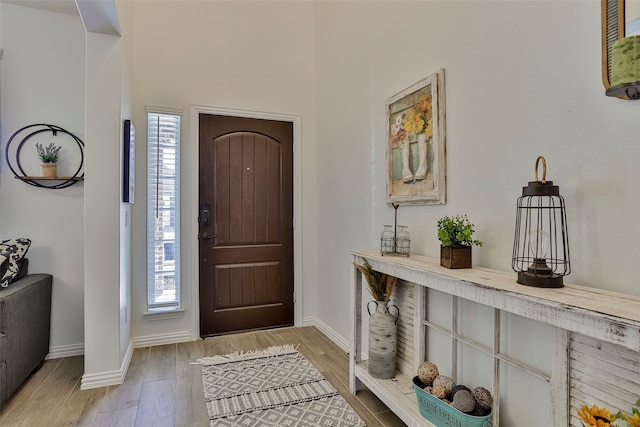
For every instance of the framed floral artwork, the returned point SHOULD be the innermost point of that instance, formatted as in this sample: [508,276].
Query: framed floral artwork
[416,171]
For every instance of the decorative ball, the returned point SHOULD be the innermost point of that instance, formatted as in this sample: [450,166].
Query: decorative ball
[480,412]
[457,388]
[428,389]
[483,397]
[463,401]
[445,382]
[439,391]
[427,372]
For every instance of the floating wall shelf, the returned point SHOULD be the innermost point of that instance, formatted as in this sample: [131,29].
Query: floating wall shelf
[20,137]
[50,178]
[625,91]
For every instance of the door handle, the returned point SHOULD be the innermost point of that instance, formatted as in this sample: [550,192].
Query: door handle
[205,236]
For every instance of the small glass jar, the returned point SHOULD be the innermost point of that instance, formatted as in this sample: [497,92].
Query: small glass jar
[387,240]
[403,241]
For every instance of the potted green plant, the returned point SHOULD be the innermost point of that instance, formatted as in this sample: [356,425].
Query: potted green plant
[49,157]
[456,238]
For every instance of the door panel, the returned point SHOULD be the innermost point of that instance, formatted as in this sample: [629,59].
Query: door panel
[246,250]
[260,284]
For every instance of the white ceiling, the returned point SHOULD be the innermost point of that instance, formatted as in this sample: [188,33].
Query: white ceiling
[61,6]
[98,16]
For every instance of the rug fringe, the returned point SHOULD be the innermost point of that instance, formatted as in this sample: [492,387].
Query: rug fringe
[276,350]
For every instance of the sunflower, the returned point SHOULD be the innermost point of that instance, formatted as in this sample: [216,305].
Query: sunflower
[415,122]
[423,104]
[428,131]
[633,420]
[424,109]
[595,417]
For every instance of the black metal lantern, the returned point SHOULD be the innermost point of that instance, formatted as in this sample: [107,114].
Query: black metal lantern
[541,246]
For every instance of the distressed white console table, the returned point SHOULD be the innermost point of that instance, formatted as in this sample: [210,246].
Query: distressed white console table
[598,320]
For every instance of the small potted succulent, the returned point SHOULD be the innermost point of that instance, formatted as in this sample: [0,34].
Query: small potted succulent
[456,238]
[49,157]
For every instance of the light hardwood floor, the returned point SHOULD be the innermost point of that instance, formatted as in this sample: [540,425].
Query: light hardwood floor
[163,387]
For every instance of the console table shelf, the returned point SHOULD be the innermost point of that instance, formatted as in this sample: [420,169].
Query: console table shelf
[396,393]
[32,134]
[607,316]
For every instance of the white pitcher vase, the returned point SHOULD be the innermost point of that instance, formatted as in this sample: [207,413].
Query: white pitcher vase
[382,340]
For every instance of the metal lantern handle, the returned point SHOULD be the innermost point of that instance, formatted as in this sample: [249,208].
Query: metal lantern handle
[544,169]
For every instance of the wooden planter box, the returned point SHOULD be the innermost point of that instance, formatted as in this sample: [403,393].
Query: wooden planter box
[455,256]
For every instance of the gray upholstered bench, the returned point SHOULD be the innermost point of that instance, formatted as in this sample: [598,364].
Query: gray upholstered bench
[25,317]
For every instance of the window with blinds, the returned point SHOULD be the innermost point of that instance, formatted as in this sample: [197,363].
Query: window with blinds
[163,211]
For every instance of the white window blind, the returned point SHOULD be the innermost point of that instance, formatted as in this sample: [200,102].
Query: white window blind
[163,211]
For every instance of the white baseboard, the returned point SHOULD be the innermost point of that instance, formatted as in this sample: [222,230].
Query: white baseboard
[308,321]
[117,377]
[340,341]
[105,379]
[61,351]
[124,368]
[161,339]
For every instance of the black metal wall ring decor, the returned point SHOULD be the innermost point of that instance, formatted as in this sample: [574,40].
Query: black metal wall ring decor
[28,132]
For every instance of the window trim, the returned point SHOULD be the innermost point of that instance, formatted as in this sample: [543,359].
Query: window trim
[159,312]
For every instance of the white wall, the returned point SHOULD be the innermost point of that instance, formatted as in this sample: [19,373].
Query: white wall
[102,203]
[108,344]
[522,80]
[43,82]
[254,56]
[125,17]
[81,235]
[0,78]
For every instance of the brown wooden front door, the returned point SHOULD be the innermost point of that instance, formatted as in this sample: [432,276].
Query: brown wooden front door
[246,224]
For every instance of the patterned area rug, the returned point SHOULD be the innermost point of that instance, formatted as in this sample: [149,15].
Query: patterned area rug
[272,387]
